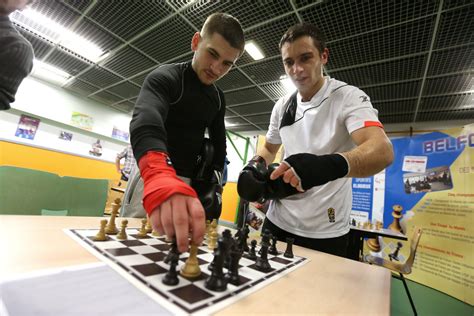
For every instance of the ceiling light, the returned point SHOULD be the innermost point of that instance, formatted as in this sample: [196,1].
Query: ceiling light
[287,84]
[227,123]
[49,73]
[253,50]
[56,33]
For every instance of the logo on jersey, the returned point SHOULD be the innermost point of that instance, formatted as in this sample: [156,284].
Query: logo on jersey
[168,161]
[332,215]
[364,98]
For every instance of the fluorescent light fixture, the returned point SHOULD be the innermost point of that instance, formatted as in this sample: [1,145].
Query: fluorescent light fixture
[227,123]
[287,84]
[58,34]
[49,73]
[253,50]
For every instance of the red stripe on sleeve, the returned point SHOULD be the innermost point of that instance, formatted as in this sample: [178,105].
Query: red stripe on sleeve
[373,123]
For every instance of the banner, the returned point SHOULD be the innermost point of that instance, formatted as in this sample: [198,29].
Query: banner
[432,179]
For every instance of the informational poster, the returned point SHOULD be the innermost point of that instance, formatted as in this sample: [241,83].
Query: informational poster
[432,180]
[82,121]
[27,127]
[120,134]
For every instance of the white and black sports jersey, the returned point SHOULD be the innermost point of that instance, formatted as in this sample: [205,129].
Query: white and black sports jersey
[172,112]
[320,126]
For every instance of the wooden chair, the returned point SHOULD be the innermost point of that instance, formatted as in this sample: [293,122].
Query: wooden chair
[400,268]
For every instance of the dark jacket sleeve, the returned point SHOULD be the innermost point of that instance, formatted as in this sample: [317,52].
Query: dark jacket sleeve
[218,137]
[147,128]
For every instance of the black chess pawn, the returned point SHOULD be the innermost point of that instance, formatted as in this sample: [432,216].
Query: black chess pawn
[252,255]
[394,255]
[273,249]
[245,236]
[232,275]
[289,247]
[216,281]
[171,277]
[172,251]
[262,263]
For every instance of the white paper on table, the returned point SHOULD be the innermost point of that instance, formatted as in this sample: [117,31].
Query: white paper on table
[91,289]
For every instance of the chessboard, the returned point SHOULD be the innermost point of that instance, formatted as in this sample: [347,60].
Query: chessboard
[141,261]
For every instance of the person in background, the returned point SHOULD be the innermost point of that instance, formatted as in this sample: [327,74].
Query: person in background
[330,132]
[180,168]
[16,53]
[129,161]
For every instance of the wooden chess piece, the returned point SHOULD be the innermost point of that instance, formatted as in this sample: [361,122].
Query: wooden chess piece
[191,268]
[111,228]
[262,263]
[142,233]
[213,239]
[397,215]
[148,225]
[122,235]
[171,277]
[232,275]
[394,255]
[373,244]
[155,233]
[252,254]
[289,247]
[101,235]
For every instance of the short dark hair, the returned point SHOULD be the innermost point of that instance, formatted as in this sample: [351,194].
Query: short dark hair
[305,29]
[227,26]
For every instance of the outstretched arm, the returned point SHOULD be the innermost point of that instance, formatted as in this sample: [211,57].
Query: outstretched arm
[373,153]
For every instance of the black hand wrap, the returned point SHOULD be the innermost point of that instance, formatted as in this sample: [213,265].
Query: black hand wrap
[316,170]
[278,189]
[208,182]
[252,180]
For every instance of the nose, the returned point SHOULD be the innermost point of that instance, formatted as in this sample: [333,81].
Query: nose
[296,68]
[215,68]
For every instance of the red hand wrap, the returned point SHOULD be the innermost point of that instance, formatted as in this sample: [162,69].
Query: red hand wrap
[160,180]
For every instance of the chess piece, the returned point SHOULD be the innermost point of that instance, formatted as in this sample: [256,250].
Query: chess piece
[232,275]
[172,251]
[216,281]
[273,249]
[155,233]
[142,233]
[378,225]
[262,263]
[191,268]
[101,235]
[397,215]
[245,236]
[171,277]
[289,247]
[394,255]
[111,228]
[353,222]
[212,244]
[252,255]
[228,244]
[373,244]
[122,235]
[148,225]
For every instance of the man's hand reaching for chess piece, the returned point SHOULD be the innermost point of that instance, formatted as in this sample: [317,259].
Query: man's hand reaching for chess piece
[172,205]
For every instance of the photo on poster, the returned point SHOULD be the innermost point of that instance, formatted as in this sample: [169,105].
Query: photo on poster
[255,215]
[434,179]
[120,134]
[27,127]
[96,149]
[65,136]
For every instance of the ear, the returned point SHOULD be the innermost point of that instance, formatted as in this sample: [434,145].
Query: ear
[195,41]
[325,56]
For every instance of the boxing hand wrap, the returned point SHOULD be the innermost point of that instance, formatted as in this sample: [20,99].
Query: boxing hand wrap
[160,180]
[313,170]
[251,184]
[278,189]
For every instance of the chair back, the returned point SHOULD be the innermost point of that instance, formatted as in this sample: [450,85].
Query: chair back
[413,246]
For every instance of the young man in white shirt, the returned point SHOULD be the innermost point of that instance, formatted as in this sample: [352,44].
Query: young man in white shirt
[330,133]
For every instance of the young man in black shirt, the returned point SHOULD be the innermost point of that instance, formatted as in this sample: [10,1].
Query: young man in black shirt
[177,103]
